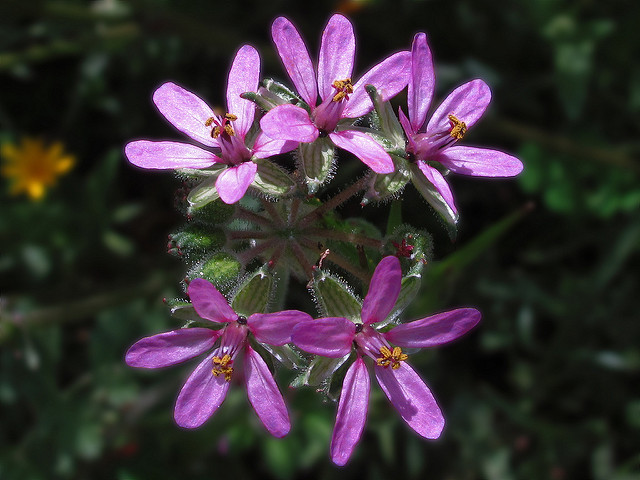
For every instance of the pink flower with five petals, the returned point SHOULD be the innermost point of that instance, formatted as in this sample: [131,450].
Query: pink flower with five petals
[339,98]
[206,388]
[225,135]
[335,337]
[435,142]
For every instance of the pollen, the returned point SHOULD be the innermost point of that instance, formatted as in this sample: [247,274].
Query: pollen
[343,89]
[222,125]
[223,366]
[391,358]
[458,127]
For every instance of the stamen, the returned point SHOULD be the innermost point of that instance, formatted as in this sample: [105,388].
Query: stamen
[344,89]
[230,116]
[392,358]
[458,127]
[222,125]
[223,366]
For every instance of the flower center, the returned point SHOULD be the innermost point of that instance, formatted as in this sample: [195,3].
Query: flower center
[222,125]
[223,366]
[343,89]
[458,127]
[392,358]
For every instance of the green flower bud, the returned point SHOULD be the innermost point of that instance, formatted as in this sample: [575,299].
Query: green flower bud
[317,162]
[221,269]
[254,293]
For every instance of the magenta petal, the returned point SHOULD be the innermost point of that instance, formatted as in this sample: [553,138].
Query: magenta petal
[412,399]
[167,155]
[169,348]
[200,396]
[232,184]
[186,111]
[434,330]
[467,102]
[328,337]
[479,162]
[265,146]
[439,182]
[383,290]
[337,53]
[422,82]
[296,59]
[352,412]
[275,328]
[408,130]
[264,395]
[389,77]
[243,77]
[209,303]
[365,148]
[288,122]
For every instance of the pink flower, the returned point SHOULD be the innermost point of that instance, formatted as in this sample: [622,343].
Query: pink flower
[335,337]
[339,98]
[435,142]
[206,388]
[225,135]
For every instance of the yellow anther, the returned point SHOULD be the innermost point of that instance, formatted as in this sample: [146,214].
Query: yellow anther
[392,358]
[215,133]
[228,129]
[223,366]
[458,127]
[343,87]
[230,116]
[209,122]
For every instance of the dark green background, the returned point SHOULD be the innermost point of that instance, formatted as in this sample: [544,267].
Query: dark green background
[545,388]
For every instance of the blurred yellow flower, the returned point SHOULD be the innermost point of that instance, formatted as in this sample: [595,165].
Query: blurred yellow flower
[32,166]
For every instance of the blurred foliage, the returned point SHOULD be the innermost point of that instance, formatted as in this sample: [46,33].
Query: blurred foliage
[546,388]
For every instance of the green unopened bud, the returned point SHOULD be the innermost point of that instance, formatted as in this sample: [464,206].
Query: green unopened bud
[221,269]
[196,239]
[272,180]
[334,297]
[317,161]
[254,293]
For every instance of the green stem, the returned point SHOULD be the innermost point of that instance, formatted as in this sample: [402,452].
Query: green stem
[245,214]
[346,237]
[334,201]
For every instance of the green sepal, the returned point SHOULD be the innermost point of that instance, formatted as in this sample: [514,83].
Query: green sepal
[385,186]
[285,93]
[214,213]
[320,371]
[385,120]
[196,239]
[317,161]
[255,293]
[203,193]
[271,179]
[286,355]
[264,99]
[408,291]
[334,297]
[182,309]
[433,198]
[221,269]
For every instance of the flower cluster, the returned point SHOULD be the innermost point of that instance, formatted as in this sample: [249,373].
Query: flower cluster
[255,221]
